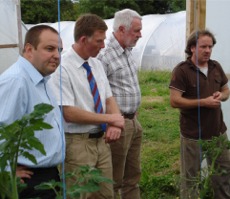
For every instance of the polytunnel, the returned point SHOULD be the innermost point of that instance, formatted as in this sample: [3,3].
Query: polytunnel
[163,41]
[161,46]
[12,32]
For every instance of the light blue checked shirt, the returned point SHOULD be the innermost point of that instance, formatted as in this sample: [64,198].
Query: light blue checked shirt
[21,88]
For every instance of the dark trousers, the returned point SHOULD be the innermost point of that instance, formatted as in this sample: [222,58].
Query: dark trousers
[40,175]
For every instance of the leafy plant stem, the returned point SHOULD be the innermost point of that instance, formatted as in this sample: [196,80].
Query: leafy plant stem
[14,166]
[14,187]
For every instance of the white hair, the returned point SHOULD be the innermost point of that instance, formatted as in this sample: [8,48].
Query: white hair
[124,18]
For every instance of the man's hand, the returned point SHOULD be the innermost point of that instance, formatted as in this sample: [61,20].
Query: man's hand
[112,134]
[23,172]
[217,95]
[212,101]
[117,120]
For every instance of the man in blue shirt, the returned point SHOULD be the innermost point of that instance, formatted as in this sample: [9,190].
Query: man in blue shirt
[23,86]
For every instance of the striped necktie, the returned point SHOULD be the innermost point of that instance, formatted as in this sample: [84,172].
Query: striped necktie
[94,90]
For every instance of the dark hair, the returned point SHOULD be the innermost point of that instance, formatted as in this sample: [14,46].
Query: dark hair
[193,38]
[33,35]
[87,24]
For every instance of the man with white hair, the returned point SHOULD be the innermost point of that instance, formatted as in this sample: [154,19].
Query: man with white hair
[122,71]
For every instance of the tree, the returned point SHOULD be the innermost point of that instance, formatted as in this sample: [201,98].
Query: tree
[39,11]
[107,8]
[160,6]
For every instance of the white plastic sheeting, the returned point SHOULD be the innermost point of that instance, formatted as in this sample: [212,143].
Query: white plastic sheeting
[161,46]
[163,41]
[9,33]
[220,26]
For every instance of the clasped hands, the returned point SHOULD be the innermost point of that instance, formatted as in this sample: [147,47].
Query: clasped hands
[214,100]
[114,128]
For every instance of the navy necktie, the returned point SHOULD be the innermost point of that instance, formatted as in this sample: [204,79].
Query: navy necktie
[94,90]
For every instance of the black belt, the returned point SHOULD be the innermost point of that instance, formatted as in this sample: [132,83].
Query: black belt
[86,135]
[129,115]
[40,168]
[96,135]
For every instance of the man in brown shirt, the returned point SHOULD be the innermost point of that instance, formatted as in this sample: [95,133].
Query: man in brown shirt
[197,87]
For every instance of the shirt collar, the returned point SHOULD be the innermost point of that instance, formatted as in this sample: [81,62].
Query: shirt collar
[114,43]
[211,64]
[32,72]
[77,58]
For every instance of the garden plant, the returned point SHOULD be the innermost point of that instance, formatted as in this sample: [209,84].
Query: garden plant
[17,139]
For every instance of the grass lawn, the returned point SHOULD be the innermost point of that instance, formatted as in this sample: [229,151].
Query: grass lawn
[160,145]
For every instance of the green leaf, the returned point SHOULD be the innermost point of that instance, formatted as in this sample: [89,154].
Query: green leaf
[29,157]
[28,132]
[4,145]
[47,185]
[36,144]
[3,162]
[41,109]
[11,131]
[5,186]
[42,125]
[25,146]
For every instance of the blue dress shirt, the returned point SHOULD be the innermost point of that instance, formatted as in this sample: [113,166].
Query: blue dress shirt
[21,88]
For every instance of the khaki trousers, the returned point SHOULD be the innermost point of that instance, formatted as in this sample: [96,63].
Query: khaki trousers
[190,168]
[81,151]
[126,161]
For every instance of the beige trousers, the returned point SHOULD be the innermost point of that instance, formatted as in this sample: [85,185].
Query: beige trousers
[80,151]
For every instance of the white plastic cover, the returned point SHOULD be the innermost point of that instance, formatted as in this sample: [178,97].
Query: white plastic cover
[8,33]
[161,46]
[162,43]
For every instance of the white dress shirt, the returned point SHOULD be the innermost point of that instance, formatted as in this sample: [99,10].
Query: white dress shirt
[75,89]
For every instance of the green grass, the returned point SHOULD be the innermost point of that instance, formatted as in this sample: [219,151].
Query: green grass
[161,145]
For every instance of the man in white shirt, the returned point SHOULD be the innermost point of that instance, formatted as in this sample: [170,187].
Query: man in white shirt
[85,139]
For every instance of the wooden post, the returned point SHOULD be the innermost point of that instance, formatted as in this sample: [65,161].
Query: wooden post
[8,46]
[195,15]
[19,22]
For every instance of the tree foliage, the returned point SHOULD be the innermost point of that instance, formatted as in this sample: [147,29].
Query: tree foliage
[39,11]
[107,8]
